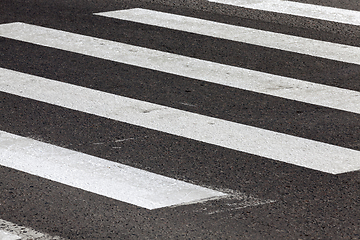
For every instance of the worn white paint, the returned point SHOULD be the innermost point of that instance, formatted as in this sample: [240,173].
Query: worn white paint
[299,9]
[11,231]
[236,77]
[100,176]
[4,235]
[281,147]
[333,51]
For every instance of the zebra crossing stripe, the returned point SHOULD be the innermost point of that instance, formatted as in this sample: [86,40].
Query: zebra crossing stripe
[299,9]
[316,48]
[288,88]
[11,231]
[96,175]
[269,144]
[4,235]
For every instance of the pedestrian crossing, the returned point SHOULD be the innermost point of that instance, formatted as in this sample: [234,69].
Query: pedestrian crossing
[299,9]
[269,144]
[269,84]
[333,51]
[97,175]
[212,129]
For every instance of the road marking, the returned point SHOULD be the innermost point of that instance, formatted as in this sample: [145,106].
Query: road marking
[100,176]
[269,144]
[11,231]
[333,51]
[299,9]
[4,235]
[289,88]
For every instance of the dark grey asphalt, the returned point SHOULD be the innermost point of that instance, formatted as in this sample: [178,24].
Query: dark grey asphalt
[309,204]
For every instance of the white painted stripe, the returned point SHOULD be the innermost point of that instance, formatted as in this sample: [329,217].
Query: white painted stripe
[333,51]
[236,77]
[285,148]
[8,236]
[100,176]
[11,231]
[299,9]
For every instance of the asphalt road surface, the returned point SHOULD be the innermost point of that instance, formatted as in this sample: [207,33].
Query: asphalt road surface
[181,119]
